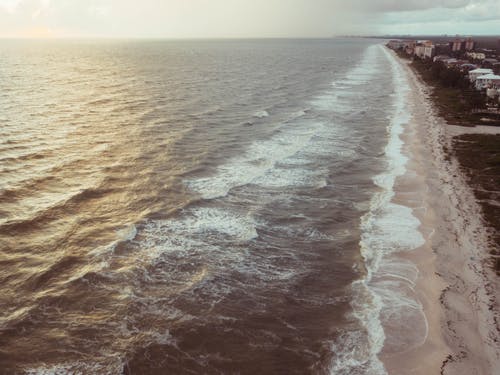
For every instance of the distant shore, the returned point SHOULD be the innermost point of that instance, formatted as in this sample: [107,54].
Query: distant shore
[457,285]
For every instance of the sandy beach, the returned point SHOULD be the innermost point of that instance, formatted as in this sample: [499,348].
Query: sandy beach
[456,286]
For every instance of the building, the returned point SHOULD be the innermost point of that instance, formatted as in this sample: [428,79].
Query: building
[488,52]
[496,68]
[473,74]
[419,51]
[450,63]
[487,81]
[396,44]
[476,55]
[467,67]
[429,51]
[441,58]
[410,47]
[457,45]
[489,62]
[424,48]
[469,44]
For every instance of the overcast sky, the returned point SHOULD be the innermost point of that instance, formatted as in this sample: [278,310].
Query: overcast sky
[245,18]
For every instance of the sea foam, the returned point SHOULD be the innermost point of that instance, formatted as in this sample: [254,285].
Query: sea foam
[386,291]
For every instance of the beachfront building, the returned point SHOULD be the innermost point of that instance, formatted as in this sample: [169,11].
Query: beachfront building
[396,44]
[491,81]
[419,51]
[474,74]
[429,51]
[424,48]
[410,47]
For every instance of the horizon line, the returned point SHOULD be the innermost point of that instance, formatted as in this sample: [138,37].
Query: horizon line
[125,37]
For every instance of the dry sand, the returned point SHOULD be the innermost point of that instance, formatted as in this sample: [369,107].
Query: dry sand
[456,287]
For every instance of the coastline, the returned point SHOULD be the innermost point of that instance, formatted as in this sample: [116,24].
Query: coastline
[456,287]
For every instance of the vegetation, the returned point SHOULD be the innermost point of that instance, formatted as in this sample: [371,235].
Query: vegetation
[478,154]
[479,157]
[452,92]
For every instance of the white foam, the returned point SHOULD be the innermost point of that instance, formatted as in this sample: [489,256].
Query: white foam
[164,338]
[353,351]
[125,234]
[336,98]
[292,176]
[128,233]
[298,114]
[387,228]
[261,114]
[204,220]
[260,158]
[200,229]
[79,368]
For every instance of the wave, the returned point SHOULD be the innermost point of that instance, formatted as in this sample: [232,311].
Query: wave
[79,367]
[40,217]
[196,226]
[259,159]
[261,114]
[387,228]
[337,98]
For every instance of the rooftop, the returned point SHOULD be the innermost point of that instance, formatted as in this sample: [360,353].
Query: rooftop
[481,70]
[489,76]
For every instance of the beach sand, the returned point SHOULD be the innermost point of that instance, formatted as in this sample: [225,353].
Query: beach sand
[456,286]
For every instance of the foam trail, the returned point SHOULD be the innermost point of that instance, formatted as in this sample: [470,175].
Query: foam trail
[260,158]
[387,228]
[359,75]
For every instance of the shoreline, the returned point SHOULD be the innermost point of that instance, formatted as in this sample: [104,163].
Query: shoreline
[455,286]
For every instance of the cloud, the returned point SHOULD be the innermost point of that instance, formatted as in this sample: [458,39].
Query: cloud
[238,18]
[383,6]
[477,17]
[482,11]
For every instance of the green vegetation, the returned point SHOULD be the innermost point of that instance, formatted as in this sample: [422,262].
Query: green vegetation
[452,92]
[478,154]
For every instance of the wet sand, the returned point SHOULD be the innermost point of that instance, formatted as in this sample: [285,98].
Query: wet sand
[455,285]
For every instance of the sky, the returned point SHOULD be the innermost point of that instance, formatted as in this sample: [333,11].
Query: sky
[245,18]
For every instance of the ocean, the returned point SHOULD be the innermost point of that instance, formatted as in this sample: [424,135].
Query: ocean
[203,207]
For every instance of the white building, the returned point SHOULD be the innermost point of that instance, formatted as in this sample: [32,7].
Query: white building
[424,48]
[429,51]
[396,44]
[487,81]
[473,74]
[420,51]
[476,55]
